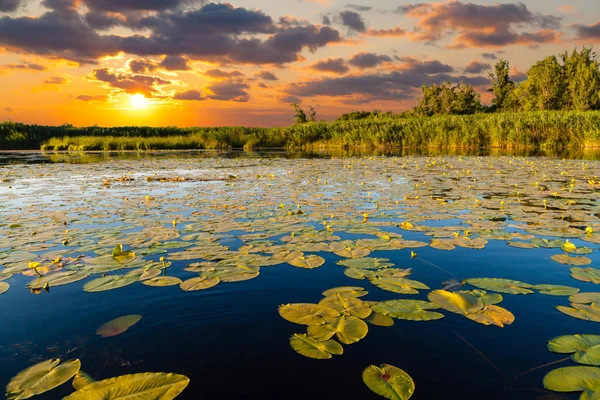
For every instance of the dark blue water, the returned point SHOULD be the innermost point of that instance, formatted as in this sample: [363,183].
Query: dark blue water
[232,344]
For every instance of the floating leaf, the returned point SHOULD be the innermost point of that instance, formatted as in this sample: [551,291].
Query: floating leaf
[146,386]
[458,303]
[500,285]
[556,290]
[399,285]
[581,311]
[575,379]
[567,260]
[4,287]
[199,283]
[389,382]
[82,379]
[586,348]
[118,326]
[585,298]
[307,314]
[493,315]
[109,282]
[379,320]
[123,256]
[586,274]
[309,347]
[309,262]
[346,291]
[161,281]
[41,378]
[412,310]
[347,328]
[347,305]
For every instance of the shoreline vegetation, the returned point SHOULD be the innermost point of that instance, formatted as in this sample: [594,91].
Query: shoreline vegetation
[508,130]
[557,106]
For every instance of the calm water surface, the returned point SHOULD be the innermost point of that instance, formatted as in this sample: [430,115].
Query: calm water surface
[230,340]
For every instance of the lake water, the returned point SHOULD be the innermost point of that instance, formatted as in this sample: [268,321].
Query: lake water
[220,211]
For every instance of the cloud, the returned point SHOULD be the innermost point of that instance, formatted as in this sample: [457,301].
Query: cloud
[189,95]
[588,32]
[334,65]
[90,97]
[23,66]
[290,99]
[477,67]
[175,63]
[353,21]
[411,64]
[130,83]
[141,66]
[214,32]
[392,32]
[368,60]
[132,5]
[229,91]
[267,76]
[358,7]
[489,56]
[9,5]
[9,109]
[517,76]
[220,74]
[325,20]
[480,25]
[56,80]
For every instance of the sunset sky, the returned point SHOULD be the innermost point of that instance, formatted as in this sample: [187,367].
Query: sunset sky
[190,62]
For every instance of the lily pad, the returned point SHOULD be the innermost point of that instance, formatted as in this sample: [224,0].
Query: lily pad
[309,262]
[82,379]
[581,311]
[346,291]
[307,314]
[4,287]
[41,378]
[309,347]
[118,326]
[568,260]
[399,285]
[199,283]
[458,303]
[412,310]
[586,274]
[586,348]
[389,382]
[556,290]
[585,298]
[109,282]
[347,305]
[147,386]
[162,281]
[347,328]
[493,315]
[501,285]
[123,256]
[575,379]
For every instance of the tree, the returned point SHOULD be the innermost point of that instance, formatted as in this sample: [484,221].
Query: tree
[300,116]
[502,86]
[312,114]
[581,72]
[447,99]
[544,88]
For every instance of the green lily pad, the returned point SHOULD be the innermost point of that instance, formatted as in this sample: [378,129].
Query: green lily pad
[109,282]
[412,310]
[585,298]
[347,328]
[379,320]
[458,303]
[556,290]
[347,305]
[492,315]
[4,287]
[308,262]
[122,256]
[581,311]
[568,260]
[118,325]
[41,378]
[500,285]
[162,281]
[399,285]
[307,314]
[389,382]
[147,386]
[199,283]
[346,291]
[586,274]
[309,347]
[82,379]
[586,348]
[575,379]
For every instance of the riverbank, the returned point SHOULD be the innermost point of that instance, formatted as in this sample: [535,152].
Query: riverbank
[550,129]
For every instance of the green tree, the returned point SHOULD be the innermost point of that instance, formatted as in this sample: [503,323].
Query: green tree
[300,116]
[502,86]
[447,99]
[312,114]
[581,72]
[544,88]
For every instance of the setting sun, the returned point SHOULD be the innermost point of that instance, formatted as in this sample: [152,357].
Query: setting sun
[138,101]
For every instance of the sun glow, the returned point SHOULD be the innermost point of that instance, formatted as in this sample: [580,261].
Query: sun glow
[138,101]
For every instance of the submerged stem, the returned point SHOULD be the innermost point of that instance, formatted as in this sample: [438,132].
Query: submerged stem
[438,267]
[482,355]
[535,369]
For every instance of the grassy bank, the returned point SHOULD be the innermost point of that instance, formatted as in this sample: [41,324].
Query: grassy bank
[553,129]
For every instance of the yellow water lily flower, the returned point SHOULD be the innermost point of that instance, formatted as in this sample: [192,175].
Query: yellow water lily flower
[589,230]
[413,255]
[569,246]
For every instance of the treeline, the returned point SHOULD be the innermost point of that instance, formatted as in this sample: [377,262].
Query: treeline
[569,82]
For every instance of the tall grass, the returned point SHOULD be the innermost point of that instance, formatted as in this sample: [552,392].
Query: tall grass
[550,129]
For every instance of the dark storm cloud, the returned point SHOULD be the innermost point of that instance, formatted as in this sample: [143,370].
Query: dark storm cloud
[220,74]
[335,65]
[141,66]
[489,56]
[410,64]
[190,95]
[132,5]
[358,7]
[9,5]
[175,63]
[353,21]
[229,91]
[477,67]
[368,60]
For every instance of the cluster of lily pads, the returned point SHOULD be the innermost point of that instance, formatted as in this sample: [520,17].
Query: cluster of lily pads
[197,212]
